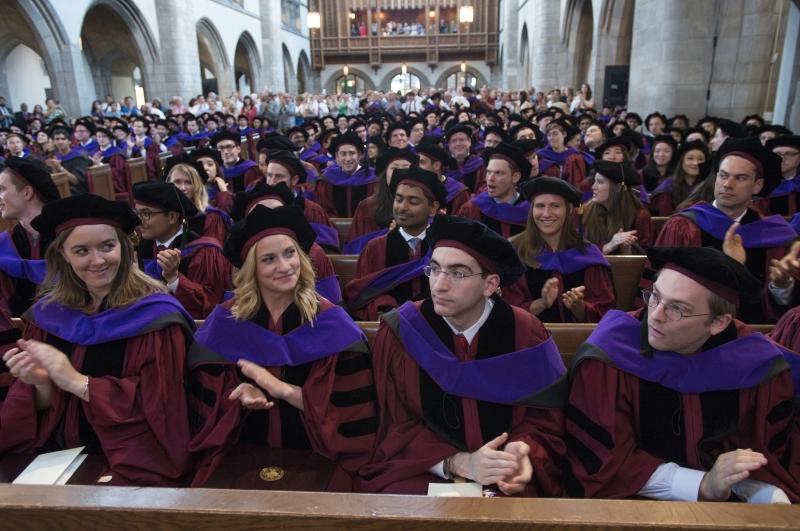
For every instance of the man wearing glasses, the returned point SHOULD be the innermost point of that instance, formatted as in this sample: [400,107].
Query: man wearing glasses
[240,174]
[679,400]
[785,199]
[746,170]
[469,387]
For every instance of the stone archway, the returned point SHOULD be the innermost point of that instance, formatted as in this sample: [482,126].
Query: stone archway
[441,82]
[579,36]
[215,69]
[387,79]
[116,44]
[303,73]
[525,58]
[247,65]
[289,76]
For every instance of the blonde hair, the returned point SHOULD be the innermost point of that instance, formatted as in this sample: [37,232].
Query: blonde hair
[248,294]
[200,196]
[63,286]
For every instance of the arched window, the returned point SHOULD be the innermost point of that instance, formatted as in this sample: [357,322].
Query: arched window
[350,84]
[402,83]
[462,79]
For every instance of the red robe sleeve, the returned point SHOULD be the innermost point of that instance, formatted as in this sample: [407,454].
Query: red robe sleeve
[371,260]
[363,219]
[574,172]
[214,227]
[322,264]
[603,460]
[661,205]
[458,201]
[120,176]
[599,296]
[470,211]
[787,331]
[679,231]
[324,193]
[141,419]
[251,177]
[316,214]
[152,163]
[205,282]
[223,201]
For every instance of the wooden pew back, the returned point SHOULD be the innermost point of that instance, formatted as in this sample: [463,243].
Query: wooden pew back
[88,507]
[345,267]
[62,182]
[657,223]
[101,181]
[343,226]
[626,272]
[137,169]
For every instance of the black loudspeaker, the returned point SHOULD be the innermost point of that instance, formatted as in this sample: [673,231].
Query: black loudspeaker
[615,89]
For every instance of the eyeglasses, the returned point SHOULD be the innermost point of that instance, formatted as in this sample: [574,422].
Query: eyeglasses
[225,147]
[788,155]
[453,276]
[671,311]
[145,214]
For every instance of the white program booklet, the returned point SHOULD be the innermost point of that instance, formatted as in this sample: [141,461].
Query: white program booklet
[54,468]
[456,490]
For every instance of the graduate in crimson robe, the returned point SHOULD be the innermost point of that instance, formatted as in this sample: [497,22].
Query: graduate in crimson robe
[238,173]
[344,185]
[102,362]
[106,153]
[284,167]
[680,401]
[469,169]
[567,279]
[560,160]
[784,200]
[285,368]
[327,283]
[192,266]
[614,218]
[27,187]
[463,377]
[784,276]
[434,158]
[501,207]
[374,214]
[746,169]
[389,270]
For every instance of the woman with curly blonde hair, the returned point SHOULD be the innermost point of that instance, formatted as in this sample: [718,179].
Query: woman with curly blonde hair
[301,378]
[102,359]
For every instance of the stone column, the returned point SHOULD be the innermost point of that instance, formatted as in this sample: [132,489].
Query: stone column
[512,75]
[272,45]
[178,73]
[548,56]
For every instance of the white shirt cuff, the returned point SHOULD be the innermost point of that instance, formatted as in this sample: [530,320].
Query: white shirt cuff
[672,482]
[173,286]
[686,484]
[783,296]
[438,469]
[753,491]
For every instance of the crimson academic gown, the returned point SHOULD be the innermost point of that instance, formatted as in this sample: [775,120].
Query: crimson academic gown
[573,171]
[364,219]
[136,415]
[620,428]
[341,201]
[421,424]
[680,231]
[211,224]
[203,275]
[470,210]
[381,253]
[338,418]
[598,298]
[787,331]
[475,181]
[643,226]
[239,181]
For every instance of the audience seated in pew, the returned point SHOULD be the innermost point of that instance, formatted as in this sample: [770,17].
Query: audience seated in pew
[344,185]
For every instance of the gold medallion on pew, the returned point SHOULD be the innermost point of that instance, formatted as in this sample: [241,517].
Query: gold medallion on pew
[271,473]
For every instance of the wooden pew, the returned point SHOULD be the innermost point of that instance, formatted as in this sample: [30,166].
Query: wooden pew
[62,181]
[657,223]
[137,169]
[100,181]
[162,159]
[345,267]
[89,507]
[343,226]
[626,272]
[244,145]
[252,143]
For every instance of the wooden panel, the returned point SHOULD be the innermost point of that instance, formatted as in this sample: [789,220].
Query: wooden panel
[569,336]
[137,168]
[370,328]
[345,267]
[245,147]
[658,223]
[83,507]
[62,181]
[162,159]
[626,272]
[101,181]
[343,226]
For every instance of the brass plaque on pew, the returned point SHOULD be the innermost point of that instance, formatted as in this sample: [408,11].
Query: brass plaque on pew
[250,466]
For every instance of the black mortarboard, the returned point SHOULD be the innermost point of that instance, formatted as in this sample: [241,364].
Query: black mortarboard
[731,128]
[786,140]
[494,253]
[288,160]
[779,130]
[426,180]
[297,129]
[634,116]
[654,115]
[164,195]
[619,172]
[526,145]
[35,174]
[711,268]
[394,153]
[262,222]
[435,151]
[458,128]
[184,158]
[665,139]
[208,153]
[621,141]
[226,135]
[327,133]
[348,138]
[551,185]
[387,134]
[105,131]
[84,209]
[510,154]
[275,142]
[767,163]
[496,130]
[242,201]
